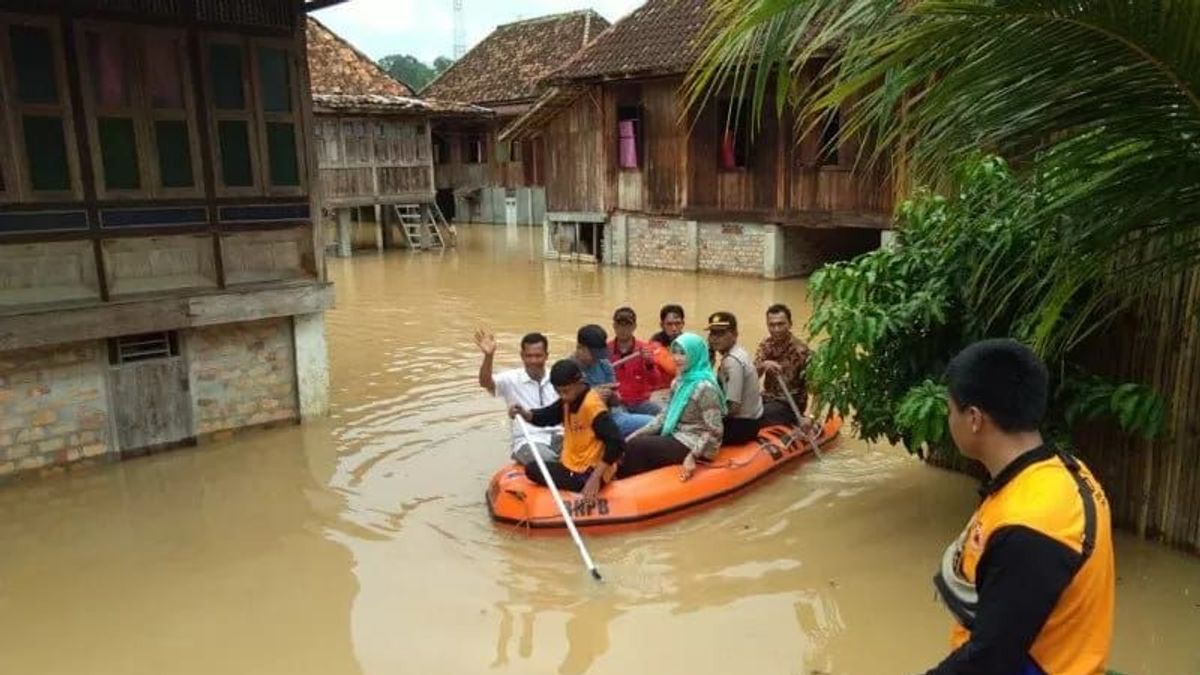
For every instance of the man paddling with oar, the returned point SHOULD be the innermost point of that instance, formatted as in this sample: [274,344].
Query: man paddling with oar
[591,442]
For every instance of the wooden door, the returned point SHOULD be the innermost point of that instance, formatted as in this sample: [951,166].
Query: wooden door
[151,399]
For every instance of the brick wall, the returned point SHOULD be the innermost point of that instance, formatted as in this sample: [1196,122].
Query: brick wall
[242,374]
[53,406]
[807,249]
[660,243]
[731,248]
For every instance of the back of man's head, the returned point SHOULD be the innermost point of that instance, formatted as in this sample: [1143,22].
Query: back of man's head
[1002,378]
[565,372]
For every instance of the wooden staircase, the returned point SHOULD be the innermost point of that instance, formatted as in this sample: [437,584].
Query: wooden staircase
[424,226]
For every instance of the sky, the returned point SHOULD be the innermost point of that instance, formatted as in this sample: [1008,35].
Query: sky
[425,28]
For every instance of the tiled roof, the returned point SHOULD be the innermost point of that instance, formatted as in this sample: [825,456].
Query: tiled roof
[386,103]
[336,67]
[658,38]
[508,64]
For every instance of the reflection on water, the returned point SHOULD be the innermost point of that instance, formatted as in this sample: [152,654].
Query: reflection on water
[361,544]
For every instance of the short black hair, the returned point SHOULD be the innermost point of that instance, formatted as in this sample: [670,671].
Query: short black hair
[670,309]
[625,312]
[564,372]
[592,336]
[1004,379]
[780,308]
[533,339]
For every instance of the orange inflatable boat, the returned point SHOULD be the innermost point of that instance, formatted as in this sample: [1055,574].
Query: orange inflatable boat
[654,495]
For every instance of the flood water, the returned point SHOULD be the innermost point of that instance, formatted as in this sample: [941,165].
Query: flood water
[361,544]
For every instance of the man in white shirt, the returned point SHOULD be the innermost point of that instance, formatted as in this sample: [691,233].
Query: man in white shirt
[528,387]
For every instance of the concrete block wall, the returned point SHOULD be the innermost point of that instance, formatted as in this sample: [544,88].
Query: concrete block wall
[661,243]
[242,374]
[732,248]
[53,406]
[750,249]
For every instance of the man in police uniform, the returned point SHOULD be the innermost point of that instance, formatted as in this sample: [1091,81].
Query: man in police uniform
[1031,580]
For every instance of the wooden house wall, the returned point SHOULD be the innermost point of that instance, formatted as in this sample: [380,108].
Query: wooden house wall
[751,189]
[497,170]
[576,163]
[165,227]
[680,171]
[374,160]
[656,186]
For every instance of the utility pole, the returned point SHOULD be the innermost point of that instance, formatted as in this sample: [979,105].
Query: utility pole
[460,31]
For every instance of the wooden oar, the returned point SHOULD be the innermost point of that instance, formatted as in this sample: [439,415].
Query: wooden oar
[562,508]
[796,411]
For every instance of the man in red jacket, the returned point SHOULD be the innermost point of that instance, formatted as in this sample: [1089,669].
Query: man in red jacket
[640,374]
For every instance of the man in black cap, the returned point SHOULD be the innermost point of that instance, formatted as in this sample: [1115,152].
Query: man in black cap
[591,353]
[636,364]
[739,378]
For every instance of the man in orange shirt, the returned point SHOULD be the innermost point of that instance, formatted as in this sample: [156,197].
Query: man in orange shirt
[591,442]
[671,321]
[1031,579]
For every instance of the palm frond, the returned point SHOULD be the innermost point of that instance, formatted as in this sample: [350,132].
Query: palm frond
[1095,101]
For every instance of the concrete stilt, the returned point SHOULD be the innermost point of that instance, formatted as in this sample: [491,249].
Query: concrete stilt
[344,230]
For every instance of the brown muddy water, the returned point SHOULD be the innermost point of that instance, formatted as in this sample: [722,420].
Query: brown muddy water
[360,543]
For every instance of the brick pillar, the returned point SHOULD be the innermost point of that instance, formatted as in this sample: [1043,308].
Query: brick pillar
[773,249]
[618,237]
[312,364]
[693,243]
[345,231]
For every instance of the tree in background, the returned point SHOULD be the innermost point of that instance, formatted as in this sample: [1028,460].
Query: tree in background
[412,71]
[441,63]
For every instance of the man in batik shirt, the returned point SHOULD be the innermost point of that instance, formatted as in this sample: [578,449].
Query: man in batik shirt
[782,355]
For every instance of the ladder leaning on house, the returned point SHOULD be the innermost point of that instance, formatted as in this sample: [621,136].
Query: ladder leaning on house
[424,225]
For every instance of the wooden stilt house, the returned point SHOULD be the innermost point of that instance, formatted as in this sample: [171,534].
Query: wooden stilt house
[628,184]
[479,178]
[374,150]
[160,275]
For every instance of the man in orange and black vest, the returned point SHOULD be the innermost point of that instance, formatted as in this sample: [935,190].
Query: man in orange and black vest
[1031,579]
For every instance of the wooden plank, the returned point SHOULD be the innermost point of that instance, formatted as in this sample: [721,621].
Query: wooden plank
[576,216]
[57,324]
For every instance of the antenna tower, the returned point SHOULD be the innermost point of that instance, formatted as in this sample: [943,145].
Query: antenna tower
[460,31]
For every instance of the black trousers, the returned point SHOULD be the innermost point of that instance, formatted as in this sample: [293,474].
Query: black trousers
[563,477]
[646,453]
[777,412]
[739,430]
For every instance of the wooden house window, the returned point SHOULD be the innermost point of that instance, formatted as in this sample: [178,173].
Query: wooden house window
[533,161]
[630,137]
[39,158]
[515,153]
[831,132]
[441,149]
[474,148]
[734,136]
[255,110]
[357,142]
[141,116]
[277,82]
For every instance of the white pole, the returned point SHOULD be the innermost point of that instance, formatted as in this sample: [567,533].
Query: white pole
[626,358]
[796,411]
[562,508]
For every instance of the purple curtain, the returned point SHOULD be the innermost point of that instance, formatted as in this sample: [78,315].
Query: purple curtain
[627,133]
